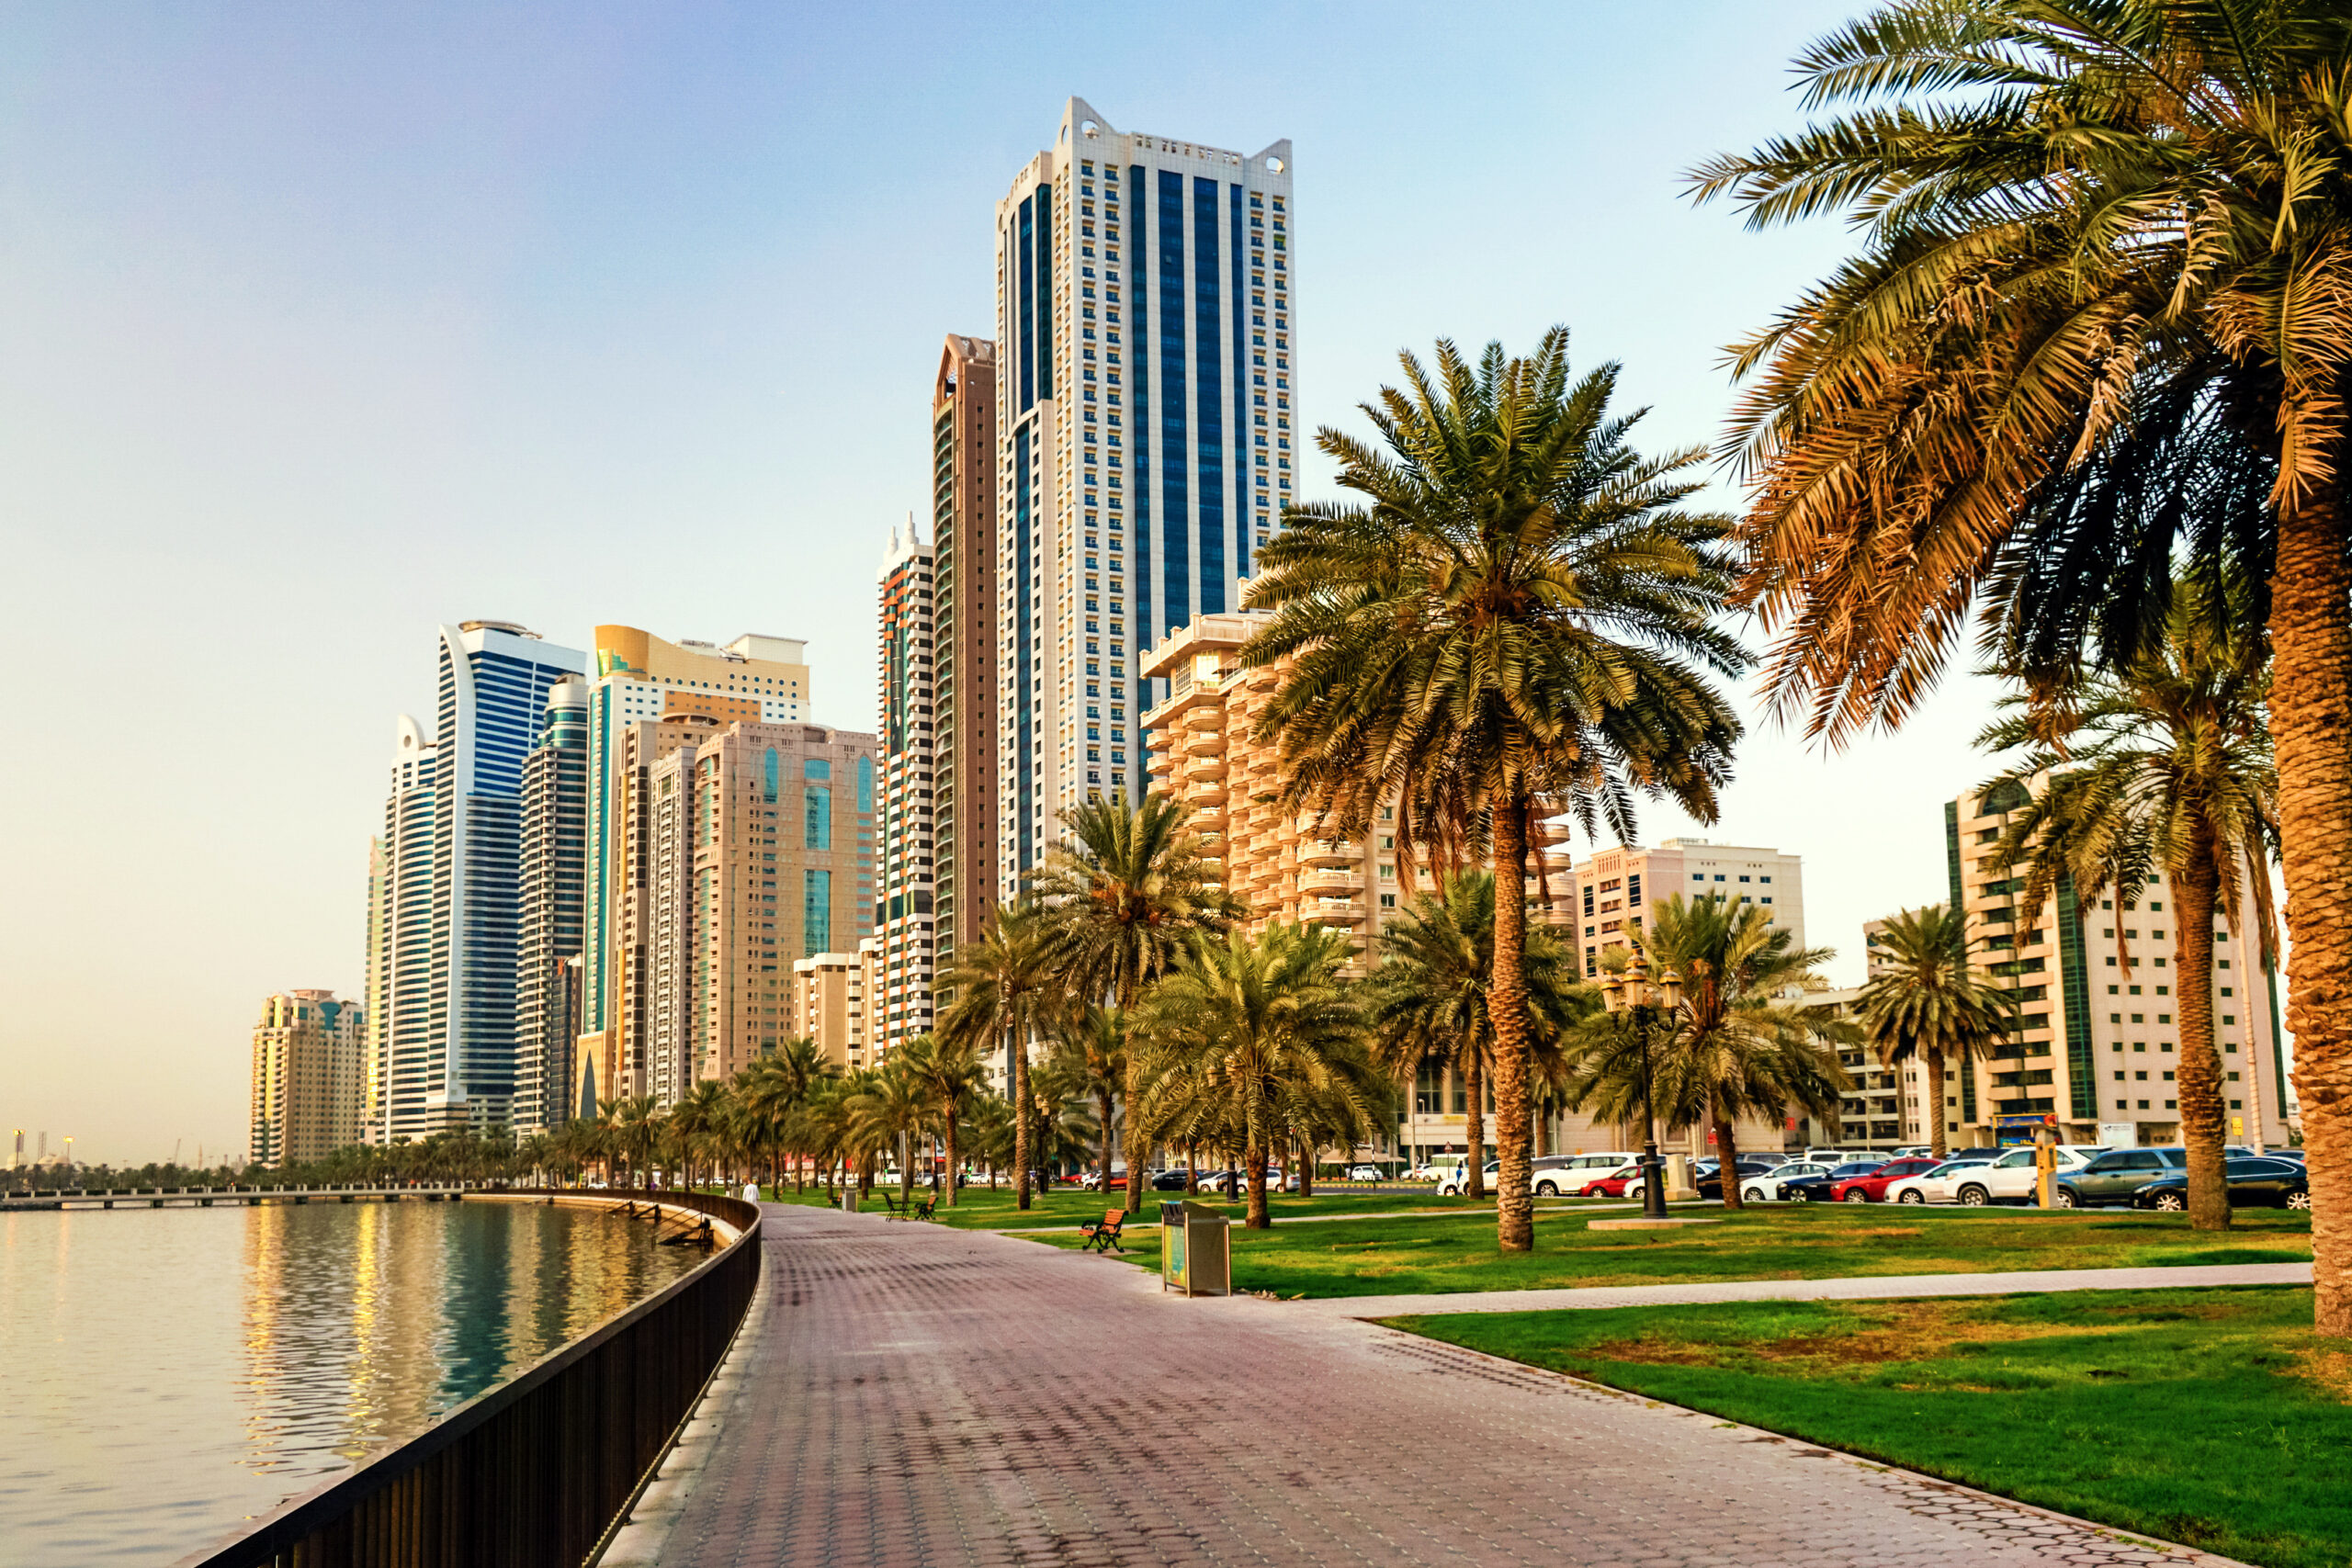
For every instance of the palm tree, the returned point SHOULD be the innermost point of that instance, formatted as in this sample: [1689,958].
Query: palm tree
[1927,1003]
[1519,622]
[1089,1062]
[636,1124]
[2162,768]
[1127,888]
[2102,319]
[694,1124]
[1002,984]
[1255,1034]
[1742,1040]
[889,1108]
[1427,999]
[950,1078]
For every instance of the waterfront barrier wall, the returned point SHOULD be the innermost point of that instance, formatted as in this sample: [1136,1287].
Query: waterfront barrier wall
[539,1472]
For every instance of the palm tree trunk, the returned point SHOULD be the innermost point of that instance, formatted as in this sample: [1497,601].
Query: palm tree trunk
[1255,1160]
[2311,713]
[954,1165]
[1021,1158]
[1507,1011]
[1191,1170]
[1935,1107]
[2202,1125]
[1474,1179]
[1728,1151]
[1103,1137]
[1305,1167]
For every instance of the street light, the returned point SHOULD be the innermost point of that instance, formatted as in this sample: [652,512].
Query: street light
[1649,1007]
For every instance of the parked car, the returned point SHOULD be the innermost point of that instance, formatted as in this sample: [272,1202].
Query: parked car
[1869,1187]
[1818,1188]
[1364,1173]
[2113,1177]
[1708,1174]
[1574,1170]
[1169,1181]
[1457,1181]
[2254,1183]
[1765,1187]
[1625,1181]
[2009,1178]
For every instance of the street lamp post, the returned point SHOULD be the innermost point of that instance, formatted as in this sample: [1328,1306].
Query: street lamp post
[1649,1006]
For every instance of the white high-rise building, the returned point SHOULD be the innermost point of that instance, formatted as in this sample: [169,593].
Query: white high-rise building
[903,911]
[1147,379]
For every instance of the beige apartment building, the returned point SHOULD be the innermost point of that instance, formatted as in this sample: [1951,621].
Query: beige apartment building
[758,852]
[306,1077]
[833,1004]
[2096,1045]
[1198,740]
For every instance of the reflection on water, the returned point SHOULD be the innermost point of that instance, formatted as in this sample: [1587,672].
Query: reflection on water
[166,1373]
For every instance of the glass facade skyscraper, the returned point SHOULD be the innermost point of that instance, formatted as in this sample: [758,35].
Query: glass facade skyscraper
[492,694]
[1147,378]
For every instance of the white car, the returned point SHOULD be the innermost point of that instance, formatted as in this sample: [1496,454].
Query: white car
[1768,1188]
[1364,1173]
[2008,1179]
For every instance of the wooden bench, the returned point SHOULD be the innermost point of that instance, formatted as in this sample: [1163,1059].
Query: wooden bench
[1102,1234]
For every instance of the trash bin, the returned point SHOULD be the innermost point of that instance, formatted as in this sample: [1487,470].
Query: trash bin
[1196,1249]
[849,1197]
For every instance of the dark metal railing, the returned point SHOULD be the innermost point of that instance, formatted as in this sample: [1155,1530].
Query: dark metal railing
[537,1472]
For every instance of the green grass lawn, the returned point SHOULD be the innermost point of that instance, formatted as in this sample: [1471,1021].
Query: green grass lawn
[2214,1417]
[983,1209]
[1797,1242]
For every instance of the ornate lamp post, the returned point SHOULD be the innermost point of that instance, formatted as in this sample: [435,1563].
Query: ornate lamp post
[1651,1007]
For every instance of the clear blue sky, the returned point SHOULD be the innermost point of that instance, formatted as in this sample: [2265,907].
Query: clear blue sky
[322,325]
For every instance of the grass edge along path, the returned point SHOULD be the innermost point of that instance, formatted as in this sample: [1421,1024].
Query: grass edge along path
[2214,1418]
[1425,1255]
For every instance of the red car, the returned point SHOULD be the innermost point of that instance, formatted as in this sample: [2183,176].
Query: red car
[1871,1188]
[1612,1185]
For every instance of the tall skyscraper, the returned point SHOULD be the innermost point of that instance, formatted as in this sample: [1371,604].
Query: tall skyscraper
[1146,373]
[758,852]
[904,914]
[964,816]
[492,688]
[551,912]
[640,678]
[399,1010]
[306,1077]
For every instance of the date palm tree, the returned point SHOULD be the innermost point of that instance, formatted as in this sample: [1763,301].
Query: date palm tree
[1518,620]
[949,1077]
[1004,985]
[1930,1004]
[2101,243]
[2159,770]
[1427,999]
[1254,1033]
[1128,888]
[1739,1040]
[1089,1062]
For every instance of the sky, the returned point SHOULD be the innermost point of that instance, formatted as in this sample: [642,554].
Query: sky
[323,325]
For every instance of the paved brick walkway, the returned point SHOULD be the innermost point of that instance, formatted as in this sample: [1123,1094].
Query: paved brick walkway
[915,1396]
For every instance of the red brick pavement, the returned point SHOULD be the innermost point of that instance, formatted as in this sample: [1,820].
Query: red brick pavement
[919,1396]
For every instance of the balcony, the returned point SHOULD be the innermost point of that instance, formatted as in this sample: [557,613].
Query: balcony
[1209,767]
[1330,852]
[1201,742]
[1201,794]
[1331,911]
[1331,880]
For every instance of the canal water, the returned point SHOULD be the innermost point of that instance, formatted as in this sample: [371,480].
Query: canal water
[165,1374]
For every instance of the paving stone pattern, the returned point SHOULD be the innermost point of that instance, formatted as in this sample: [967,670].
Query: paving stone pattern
[915,1396]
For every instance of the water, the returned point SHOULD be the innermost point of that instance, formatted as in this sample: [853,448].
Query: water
[167,1373]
